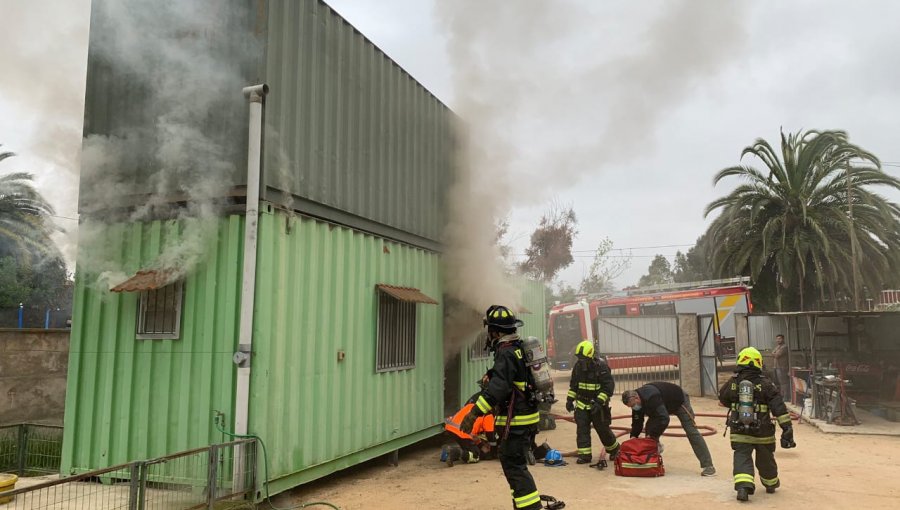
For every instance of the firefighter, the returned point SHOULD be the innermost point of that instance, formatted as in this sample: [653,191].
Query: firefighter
[470,448]
[509,390]
[753,400]
[590,387]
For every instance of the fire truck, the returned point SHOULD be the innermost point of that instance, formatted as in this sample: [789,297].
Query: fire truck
[570,323]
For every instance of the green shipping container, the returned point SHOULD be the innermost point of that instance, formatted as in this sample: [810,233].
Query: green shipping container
[316,296]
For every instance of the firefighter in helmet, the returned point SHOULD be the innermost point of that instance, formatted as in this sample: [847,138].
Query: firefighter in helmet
[590,387]
[753,400]
[510,392]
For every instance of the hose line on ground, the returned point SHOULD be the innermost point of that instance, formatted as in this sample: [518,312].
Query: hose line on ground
[266,469]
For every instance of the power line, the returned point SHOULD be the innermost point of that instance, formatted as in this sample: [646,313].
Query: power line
[639,248]
[62,217]
[609,256]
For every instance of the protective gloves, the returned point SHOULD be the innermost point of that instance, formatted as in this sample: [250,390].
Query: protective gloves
[787,437]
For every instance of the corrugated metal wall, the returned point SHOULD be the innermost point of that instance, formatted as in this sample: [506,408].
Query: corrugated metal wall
[131,399]
[140,89]
[347,128]
[316,296]
[533,299]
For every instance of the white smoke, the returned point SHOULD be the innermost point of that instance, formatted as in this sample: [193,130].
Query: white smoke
[546,100]
[42,61]
[181,64]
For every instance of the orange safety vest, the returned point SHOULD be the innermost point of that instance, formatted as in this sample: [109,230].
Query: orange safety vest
[482,424]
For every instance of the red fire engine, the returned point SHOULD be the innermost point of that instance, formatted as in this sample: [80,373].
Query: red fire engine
[570,323]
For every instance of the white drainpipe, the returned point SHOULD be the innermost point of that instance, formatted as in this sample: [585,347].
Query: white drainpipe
[256,96]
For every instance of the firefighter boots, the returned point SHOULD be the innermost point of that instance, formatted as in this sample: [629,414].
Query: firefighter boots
[743,494]
[583,459]
[454,453]
[770,489]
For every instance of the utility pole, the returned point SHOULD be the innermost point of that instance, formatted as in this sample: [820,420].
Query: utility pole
[854,265]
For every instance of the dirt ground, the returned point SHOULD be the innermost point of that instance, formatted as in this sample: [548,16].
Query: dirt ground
[823,472]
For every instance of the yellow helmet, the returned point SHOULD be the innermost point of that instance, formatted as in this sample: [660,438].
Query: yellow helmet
[750,357]
[585,348]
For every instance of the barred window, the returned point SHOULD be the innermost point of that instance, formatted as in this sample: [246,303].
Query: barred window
[396,333]
[159,312]
[477,350]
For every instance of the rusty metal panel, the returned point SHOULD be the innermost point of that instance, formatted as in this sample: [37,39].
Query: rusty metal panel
[316,397]
[407,294]
[130,399]
[350,135]
[146,279]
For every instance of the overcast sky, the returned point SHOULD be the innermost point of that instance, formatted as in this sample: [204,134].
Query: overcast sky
[751,70]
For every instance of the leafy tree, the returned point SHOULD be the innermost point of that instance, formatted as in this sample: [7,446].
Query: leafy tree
[790,226]
[658,273]
[43,284]
[564,293]
[25,216]
[12,290]
[603,270]
[551,244]
[693,265]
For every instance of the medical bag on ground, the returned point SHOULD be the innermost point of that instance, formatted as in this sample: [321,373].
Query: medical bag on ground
[639,456]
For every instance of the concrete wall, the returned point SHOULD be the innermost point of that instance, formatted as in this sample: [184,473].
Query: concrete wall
[33,375]
[689,347]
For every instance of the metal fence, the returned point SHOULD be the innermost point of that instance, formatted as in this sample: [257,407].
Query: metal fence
[29,449]
[193,479]
[640,350]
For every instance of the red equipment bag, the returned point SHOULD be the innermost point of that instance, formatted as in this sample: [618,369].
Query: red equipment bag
[639,456]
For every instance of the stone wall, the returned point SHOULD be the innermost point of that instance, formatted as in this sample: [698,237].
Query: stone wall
[33,364]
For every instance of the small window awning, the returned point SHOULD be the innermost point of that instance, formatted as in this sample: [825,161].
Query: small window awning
[408,294]
[147,279]
[522,310]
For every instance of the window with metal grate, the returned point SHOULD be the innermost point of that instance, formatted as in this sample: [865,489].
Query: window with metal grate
[396,334]
[159,312]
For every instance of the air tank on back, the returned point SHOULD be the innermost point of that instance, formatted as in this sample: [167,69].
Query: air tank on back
[536,359]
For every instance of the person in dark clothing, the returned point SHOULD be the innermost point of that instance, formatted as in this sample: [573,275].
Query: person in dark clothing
[509,392]
[750,420]
[656,401]
[590,387]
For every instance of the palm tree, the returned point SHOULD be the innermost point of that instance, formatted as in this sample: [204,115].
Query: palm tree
[25,224]
[792,223]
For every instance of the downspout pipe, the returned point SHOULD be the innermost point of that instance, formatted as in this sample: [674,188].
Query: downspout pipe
[256,96]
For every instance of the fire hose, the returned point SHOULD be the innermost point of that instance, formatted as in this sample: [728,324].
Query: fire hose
[706,430]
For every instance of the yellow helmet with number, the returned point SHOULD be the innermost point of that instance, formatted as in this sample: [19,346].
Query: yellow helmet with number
[585,348]
[750,357]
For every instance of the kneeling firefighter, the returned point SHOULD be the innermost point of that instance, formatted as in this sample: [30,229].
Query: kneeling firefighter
[470,448]
[590,387]
[753,399]
[510,391]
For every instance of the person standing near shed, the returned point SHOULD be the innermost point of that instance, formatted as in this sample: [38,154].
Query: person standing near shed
[782,366]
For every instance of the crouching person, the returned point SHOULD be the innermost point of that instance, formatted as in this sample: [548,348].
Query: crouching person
[471,447]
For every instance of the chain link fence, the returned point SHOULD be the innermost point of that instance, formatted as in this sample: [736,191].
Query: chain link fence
[194,479]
